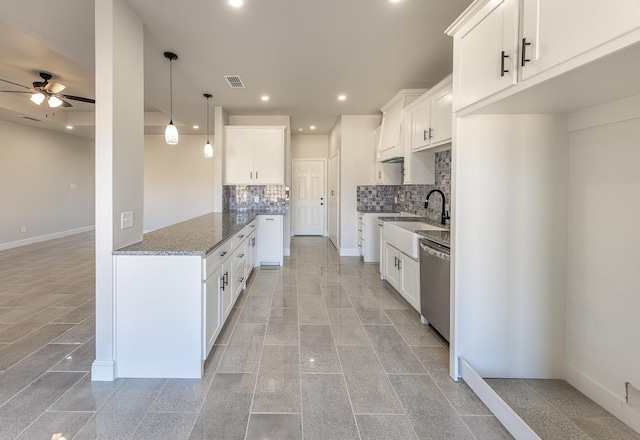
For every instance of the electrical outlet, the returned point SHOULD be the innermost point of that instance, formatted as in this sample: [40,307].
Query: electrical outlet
[73,186]
[256,199]
[126,220]
[395,200]
[23,229]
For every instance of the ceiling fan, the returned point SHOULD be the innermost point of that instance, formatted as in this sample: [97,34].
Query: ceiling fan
[47,90]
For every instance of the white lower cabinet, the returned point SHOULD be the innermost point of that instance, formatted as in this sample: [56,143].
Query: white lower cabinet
[213,318]
[270,240]
[403,273]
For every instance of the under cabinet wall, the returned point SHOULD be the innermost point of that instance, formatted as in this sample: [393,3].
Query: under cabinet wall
[604,213]
[510,244]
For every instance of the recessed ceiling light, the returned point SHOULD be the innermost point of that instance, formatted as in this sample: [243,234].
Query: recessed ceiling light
[196,127]
[300,129]
[394,1]
[264,98]
[313,127]
[342,97]
[236,3]
[69,127]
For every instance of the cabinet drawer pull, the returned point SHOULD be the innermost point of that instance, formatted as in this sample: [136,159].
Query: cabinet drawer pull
[269,219]
[241,255]
[241,280]
[502,69]
[250,175]
[256,175]
[240,237]
[223,254]
[524,52]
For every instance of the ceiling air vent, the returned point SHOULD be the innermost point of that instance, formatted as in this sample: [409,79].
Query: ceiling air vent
[30,118]
[234,81]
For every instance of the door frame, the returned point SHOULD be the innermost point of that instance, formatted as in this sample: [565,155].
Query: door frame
[325,207]
[337,213]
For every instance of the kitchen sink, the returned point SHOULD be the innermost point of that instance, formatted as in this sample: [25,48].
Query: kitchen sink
[402,236]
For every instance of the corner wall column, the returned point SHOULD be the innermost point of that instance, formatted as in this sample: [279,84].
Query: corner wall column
[119,156]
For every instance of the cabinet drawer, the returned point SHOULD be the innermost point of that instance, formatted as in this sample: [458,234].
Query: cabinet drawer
[213,260]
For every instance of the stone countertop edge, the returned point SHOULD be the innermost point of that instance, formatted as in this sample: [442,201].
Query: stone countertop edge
[373,211]
[195,237]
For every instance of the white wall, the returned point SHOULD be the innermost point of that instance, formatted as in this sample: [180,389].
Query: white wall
[310,146]
[357,142]
[178,181]
[603,336]
[36,168]
[335,138]
[510,229]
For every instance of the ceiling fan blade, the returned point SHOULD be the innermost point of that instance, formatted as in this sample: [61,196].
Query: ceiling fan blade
[78,98]
[65,103]
[15,84]
[14,91]
[54,87]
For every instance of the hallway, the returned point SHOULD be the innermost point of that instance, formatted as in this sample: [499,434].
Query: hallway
[317,349]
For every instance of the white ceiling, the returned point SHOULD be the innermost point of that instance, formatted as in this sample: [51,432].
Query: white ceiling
[302,53]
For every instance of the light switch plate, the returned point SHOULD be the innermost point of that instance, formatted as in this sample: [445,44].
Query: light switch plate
[126,220]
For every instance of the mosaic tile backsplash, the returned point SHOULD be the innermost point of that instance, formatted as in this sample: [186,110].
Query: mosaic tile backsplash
[411,197]
[242,197]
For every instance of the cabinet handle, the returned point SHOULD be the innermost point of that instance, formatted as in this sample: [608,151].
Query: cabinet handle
[241,255]
[256,175]
[395,262]
[430,133]
[241,280]
[221,285]
[379,177]
[240,237]
[524,52]
[223,254]
[425,136]
[399,264]
[269,219]
[502,69]
[225,281]
[250,175]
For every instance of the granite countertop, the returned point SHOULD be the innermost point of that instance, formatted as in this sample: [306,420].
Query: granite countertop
[198,236]
[441,237]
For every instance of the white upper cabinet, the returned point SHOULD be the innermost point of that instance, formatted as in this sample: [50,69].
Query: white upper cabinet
[386,173]
[391,134]
[485,48]
[556,31]
[254,155]
[432,117]
[497,43]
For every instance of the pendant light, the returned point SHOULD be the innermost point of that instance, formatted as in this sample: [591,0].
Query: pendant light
[208,149]
[171,132]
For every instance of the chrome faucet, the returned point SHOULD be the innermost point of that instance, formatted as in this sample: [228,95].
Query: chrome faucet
[445,214]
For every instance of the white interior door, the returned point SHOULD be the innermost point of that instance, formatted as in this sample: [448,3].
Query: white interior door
[309,200]
[333,199]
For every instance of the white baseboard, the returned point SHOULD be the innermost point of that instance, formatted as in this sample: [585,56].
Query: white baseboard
[41,238]
[287,252]
[349,252]
[503,412]
[103,371]
[602,397]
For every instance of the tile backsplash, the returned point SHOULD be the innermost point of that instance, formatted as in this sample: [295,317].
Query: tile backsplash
[410,198]
[242,197]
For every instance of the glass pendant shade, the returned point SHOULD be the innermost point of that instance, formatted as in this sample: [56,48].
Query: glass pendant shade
[37,98]
[171,134]
[54,102]
[208,150]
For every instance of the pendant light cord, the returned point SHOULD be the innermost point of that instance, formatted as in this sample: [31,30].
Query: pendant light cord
[171,88]
[208,120]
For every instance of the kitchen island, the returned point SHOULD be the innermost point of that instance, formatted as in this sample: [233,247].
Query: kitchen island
[175,289]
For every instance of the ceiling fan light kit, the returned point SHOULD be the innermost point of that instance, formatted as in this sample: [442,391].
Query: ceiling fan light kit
[171,132]
[208,148]
[47,90]
[37,98]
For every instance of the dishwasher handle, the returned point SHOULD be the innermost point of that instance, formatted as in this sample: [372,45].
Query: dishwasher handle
[433,248]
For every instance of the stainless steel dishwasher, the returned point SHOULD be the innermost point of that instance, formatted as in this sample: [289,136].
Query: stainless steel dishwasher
[434,286]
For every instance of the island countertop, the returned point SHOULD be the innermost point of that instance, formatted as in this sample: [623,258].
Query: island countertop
[198,236]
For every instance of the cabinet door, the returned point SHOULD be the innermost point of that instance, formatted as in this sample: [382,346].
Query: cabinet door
[390,140]
[227,289]
[410,280]
[213,318]
[270,243]
[561,30]
[391,265]
[441,116]
[479,47]
[407,142]
[239,156]
[253,252]
[420,133]
[268,157]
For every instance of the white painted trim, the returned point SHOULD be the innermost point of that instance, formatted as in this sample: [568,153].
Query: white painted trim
[605,398]
[287,252]
[349,252]
[503,412]
[41,238]
[609,113]
[103,371]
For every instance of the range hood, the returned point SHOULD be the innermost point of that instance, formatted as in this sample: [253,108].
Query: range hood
[396,159]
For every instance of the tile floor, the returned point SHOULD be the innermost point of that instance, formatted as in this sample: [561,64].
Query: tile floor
[318,349]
